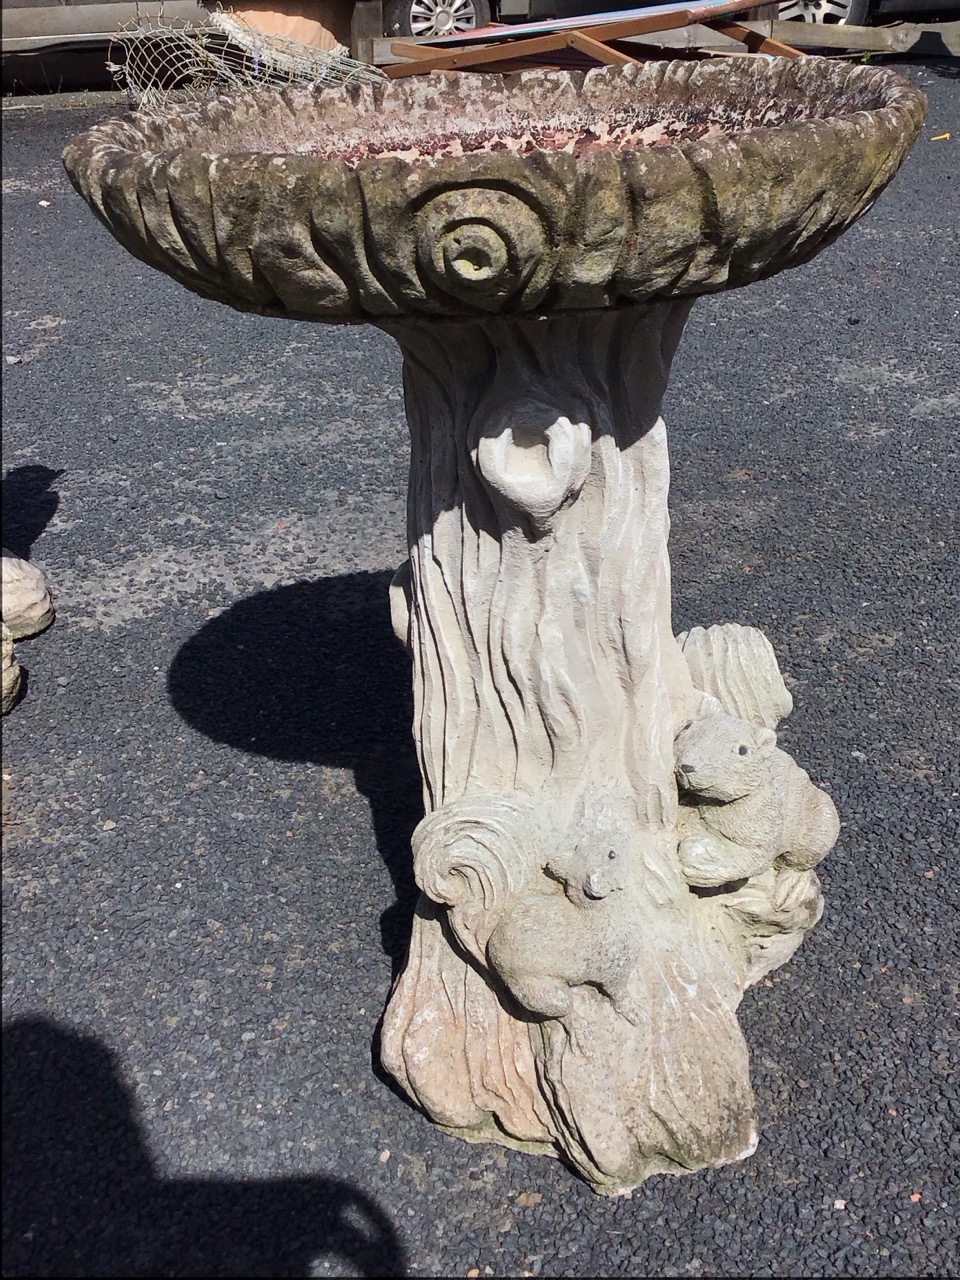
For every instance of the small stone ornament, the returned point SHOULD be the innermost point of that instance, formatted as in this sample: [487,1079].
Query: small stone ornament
[12,674]
[26,604]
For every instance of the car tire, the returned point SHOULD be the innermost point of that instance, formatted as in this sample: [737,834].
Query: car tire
[425,18]
[853,13]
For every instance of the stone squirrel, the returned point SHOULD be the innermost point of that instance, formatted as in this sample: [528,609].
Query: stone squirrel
[552,941]
[747,805]
[594,872]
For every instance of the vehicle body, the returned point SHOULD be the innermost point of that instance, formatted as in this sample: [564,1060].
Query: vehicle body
[63,47]
[426,18]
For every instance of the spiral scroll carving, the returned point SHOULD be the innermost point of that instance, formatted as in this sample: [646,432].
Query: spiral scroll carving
[479,245]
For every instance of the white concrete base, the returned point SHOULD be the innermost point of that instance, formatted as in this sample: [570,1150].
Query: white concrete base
[614,847]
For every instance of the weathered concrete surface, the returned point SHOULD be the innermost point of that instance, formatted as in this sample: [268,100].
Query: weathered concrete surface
[582,945]
[853,582]
[24,597]
[652,181]
[11,673]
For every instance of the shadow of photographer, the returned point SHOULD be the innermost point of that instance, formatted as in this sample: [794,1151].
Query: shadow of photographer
[82,1197]
[313,672]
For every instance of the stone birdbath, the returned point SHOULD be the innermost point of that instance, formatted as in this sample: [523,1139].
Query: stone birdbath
[614,847]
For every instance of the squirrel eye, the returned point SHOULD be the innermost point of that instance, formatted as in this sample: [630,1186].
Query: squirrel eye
[742,750]
[612,853]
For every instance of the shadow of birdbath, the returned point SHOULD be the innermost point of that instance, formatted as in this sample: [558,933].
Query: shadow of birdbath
[614,847]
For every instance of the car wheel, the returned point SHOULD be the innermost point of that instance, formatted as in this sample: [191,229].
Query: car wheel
[425,18]
[854,13]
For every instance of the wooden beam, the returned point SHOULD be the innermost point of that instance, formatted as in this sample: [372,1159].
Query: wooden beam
[602,52]
[366,26]
[899,38]
[407,49]
[935,40]
[754,40]
[521,47]
[501,57]
[531,64]
[459,59]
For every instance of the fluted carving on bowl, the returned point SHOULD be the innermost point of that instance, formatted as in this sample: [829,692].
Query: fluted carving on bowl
[650,182]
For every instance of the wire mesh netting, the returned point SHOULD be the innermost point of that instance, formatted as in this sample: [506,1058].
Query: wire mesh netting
[154,62]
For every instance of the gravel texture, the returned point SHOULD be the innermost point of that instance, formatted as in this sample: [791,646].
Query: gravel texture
[209,785]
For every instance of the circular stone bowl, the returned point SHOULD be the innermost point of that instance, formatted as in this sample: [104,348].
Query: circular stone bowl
[544,191]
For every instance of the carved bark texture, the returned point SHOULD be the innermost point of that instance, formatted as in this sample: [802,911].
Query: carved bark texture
[539,572]
[564,987]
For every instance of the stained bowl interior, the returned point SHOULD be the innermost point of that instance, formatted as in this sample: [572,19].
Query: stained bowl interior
[441,115]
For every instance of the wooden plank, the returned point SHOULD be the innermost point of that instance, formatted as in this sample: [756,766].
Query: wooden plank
[524,46]
[755,41]
[897,39]
[936,39]
[672,16]
[603,53]
[942,37]
[459,59]
[407,49]
[366,26]
[548,62]
[503,57]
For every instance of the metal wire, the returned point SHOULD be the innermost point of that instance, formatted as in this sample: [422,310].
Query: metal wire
[155,63]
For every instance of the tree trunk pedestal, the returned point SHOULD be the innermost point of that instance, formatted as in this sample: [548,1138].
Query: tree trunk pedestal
[587,926]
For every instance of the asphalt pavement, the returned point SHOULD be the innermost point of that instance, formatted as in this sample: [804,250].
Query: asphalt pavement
[210,784]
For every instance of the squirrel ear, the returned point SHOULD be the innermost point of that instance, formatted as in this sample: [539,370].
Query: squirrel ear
[766,738]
